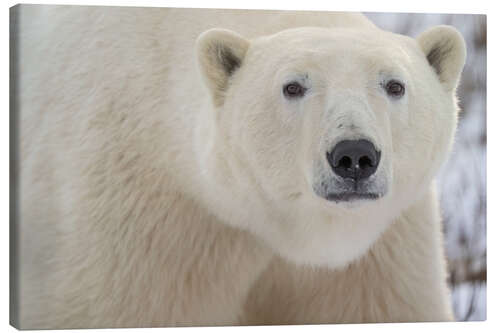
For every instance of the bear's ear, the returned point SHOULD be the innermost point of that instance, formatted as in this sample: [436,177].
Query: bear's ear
[444,48]
[220,54]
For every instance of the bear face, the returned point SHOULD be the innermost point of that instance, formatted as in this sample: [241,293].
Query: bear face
[321,137]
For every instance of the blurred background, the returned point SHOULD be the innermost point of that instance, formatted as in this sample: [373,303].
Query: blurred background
[462,182]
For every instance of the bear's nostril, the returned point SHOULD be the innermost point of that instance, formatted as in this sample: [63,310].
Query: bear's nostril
[365,162]
[345,162]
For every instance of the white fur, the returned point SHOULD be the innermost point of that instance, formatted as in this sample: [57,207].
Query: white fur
[156,189]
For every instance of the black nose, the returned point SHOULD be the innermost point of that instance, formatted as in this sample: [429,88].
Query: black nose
[356,159]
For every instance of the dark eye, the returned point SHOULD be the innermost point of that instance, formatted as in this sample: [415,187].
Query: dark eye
[293,90]
[395,89]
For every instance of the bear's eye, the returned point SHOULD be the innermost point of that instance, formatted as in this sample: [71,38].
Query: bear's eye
[293,90]
[395,88]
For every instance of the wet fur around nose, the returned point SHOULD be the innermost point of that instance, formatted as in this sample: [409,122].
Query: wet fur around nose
[349,127]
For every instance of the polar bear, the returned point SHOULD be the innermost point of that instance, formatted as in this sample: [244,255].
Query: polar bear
[222,167]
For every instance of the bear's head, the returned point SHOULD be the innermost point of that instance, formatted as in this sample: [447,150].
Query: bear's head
[316,139]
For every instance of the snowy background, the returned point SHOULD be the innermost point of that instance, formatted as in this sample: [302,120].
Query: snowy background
[462,182]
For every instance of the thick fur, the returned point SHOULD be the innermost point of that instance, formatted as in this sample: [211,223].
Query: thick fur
[164,179]
[372,289]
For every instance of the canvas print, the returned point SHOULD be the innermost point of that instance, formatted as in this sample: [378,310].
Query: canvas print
[210,167]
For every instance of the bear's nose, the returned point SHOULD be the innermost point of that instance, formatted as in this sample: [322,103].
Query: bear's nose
[356,159]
